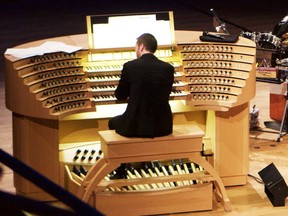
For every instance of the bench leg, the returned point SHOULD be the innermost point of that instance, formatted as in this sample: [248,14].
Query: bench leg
[95,175]
[220,191]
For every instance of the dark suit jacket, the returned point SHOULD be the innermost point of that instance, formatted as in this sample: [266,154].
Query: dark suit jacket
[147,83]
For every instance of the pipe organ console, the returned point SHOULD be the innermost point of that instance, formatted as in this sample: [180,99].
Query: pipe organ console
[60,101]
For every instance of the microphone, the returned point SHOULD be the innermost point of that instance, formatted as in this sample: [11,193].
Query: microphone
[205,33]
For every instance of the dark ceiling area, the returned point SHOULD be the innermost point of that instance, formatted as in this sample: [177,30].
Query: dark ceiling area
[29,20]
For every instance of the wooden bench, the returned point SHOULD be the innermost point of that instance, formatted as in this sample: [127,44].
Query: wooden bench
[184,142]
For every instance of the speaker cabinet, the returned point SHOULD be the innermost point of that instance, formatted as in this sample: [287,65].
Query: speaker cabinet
[275,186]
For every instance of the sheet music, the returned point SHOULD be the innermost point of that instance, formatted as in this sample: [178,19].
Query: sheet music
[47,47]
[122,31]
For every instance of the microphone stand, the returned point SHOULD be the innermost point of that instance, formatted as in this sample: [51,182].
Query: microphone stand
[221,26]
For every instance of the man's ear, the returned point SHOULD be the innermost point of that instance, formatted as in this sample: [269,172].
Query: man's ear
[142,47]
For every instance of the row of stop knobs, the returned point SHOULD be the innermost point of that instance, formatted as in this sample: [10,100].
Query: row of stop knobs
[210,97]
[210,48]
[70,106]
[222,89]
[208,64]
[211,80]
[53,57]
[208,56]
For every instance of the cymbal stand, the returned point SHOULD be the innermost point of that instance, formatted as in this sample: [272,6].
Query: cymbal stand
[283,119]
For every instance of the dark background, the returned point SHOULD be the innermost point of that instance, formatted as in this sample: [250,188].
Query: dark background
[23,21]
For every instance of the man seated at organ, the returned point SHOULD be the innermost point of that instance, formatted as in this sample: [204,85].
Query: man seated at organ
[147,83]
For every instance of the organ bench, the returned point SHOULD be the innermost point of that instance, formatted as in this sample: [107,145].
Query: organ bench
[184,142]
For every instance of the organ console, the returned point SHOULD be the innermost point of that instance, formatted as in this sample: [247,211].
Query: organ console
[60,101]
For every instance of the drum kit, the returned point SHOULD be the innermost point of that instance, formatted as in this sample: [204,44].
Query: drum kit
[265,40]
[268,42]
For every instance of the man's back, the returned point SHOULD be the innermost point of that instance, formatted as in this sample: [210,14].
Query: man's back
[147,82]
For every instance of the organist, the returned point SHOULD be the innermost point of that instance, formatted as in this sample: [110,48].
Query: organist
[147,83]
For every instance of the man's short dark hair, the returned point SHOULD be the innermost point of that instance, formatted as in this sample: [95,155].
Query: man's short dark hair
[149,42]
